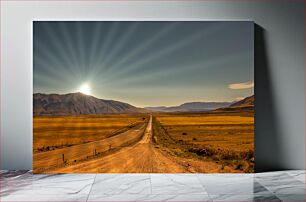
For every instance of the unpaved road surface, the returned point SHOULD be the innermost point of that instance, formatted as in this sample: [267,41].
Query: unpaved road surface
[142,157]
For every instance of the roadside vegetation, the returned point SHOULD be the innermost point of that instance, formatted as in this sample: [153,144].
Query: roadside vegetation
[51,133]
[226,139]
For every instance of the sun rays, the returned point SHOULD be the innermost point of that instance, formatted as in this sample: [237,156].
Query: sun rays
[125,54]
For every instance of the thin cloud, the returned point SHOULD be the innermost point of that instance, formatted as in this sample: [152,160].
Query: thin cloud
[238,86]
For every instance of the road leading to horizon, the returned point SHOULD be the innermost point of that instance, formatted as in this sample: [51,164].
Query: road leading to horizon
[141,157]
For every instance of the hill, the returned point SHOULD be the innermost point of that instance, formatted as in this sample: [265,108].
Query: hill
[245,104]
[78,104]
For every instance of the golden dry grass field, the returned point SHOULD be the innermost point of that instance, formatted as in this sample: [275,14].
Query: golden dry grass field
[225,138]
[52,133]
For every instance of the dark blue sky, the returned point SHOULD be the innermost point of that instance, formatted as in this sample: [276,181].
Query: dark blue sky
[145,63]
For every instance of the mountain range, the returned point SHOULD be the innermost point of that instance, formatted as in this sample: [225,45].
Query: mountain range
[78,104]
[81,104]
[245,104]
[192,106]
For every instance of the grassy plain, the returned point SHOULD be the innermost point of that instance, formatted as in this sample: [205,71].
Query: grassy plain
[52,133]
[226,138]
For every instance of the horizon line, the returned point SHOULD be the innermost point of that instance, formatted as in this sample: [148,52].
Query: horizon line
[233,101]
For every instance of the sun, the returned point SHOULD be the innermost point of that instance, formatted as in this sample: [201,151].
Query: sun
[85,89]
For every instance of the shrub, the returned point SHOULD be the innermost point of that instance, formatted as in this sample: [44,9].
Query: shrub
[239,165]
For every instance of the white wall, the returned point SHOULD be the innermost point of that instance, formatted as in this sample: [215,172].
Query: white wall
[280,133]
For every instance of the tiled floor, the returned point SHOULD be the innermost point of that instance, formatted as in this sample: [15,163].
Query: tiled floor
[272,186]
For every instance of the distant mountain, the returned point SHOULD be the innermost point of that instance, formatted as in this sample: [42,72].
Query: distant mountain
[245,104]
[78,104]
[191,107]
[157,109]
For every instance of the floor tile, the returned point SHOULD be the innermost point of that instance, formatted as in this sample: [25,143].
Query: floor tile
[287,186]
[298,175]
[272,175]
[281,183]
[42,198]
[176,184]
[151,197]
[245,198]
[292,197]
[266,198]
[216,184]
[111,184]
[178,198]
[43,184]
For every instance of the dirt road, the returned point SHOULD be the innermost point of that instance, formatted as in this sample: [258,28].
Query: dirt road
[142,157]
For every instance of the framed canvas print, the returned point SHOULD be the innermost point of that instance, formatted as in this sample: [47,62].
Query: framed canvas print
[143,97]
